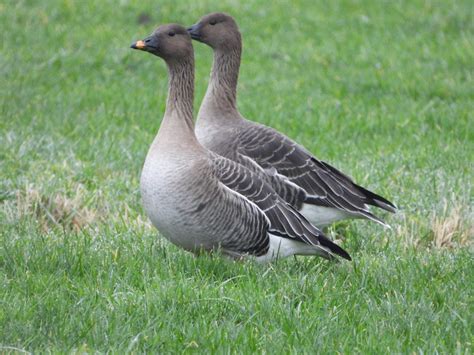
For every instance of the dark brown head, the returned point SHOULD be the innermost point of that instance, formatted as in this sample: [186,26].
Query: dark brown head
[170,42]
[217,30]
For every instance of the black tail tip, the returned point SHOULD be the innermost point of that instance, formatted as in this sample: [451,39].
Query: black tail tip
[378,201]
[334,248]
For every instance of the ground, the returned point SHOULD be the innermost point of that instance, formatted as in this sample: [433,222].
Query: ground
[383,90]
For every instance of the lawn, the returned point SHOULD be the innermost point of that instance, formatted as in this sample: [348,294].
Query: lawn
[384,90]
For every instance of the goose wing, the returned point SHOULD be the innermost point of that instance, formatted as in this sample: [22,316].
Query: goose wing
[324,185]
[283,220]
[290,192]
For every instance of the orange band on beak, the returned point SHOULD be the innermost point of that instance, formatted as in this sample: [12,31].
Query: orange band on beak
[140,45]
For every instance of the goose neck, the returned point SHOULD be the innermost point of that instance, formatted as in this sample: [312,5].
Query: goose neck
[181,89]
[221,94]
[177,127]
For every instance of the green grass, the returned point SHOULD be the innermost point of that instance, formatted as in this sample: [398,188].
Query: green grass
[382,89]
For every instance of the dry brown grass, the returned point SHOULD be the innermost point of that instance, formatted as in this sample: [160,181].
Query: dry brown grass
[74,210]
[452,226]
[453,229]
[69,212]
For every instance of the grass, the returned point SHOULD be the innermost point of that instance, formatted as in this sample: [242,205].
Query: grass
[383,90]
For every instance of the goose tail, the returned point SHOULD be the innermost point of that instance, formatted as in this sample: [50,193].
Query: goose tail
[378,201]
[333,248]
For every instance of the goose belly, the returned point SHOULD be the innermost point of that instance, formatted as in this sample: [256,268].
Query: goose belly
[166,199]
[175,220]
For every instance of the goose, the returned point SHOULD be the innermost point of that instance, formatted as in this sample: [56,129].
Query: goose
[201,201]
[316,189]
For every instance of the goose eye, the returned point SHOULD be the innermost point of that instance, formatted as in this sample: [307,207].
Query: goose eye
[171,34]
[212,22]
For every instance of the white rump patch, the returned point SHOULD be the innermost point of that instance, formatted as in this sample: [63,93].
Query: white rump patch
[323,216]
[284,247]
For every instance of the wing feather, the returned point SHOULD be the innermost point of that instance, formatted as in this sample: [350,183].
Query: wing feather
[282,218]
[322,184]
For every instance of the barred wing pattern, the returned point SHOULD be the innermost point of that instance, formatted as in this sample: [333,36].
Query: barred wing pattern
[324,185]
[290,192]
[283,220]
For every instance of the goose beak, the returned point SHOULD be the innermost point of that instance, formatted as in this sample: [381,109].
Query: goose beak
[138,45]
[194,31]
[149,44]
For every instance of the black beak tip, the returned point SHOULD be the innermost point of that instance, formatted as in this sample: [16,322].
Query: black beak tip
[194,32]
[133,45]
[195,36]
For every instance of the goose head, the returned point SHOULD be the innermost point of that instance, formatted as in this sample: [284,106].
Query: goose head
[218,30]
[170,42]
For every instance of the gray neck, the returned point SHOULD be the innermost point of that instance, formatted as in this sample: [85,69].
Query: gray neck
[221,94]
[181,89]
[177,125]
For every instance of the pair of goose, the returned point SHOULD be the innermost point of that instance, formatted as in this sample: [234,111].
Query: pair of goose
[230,184]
